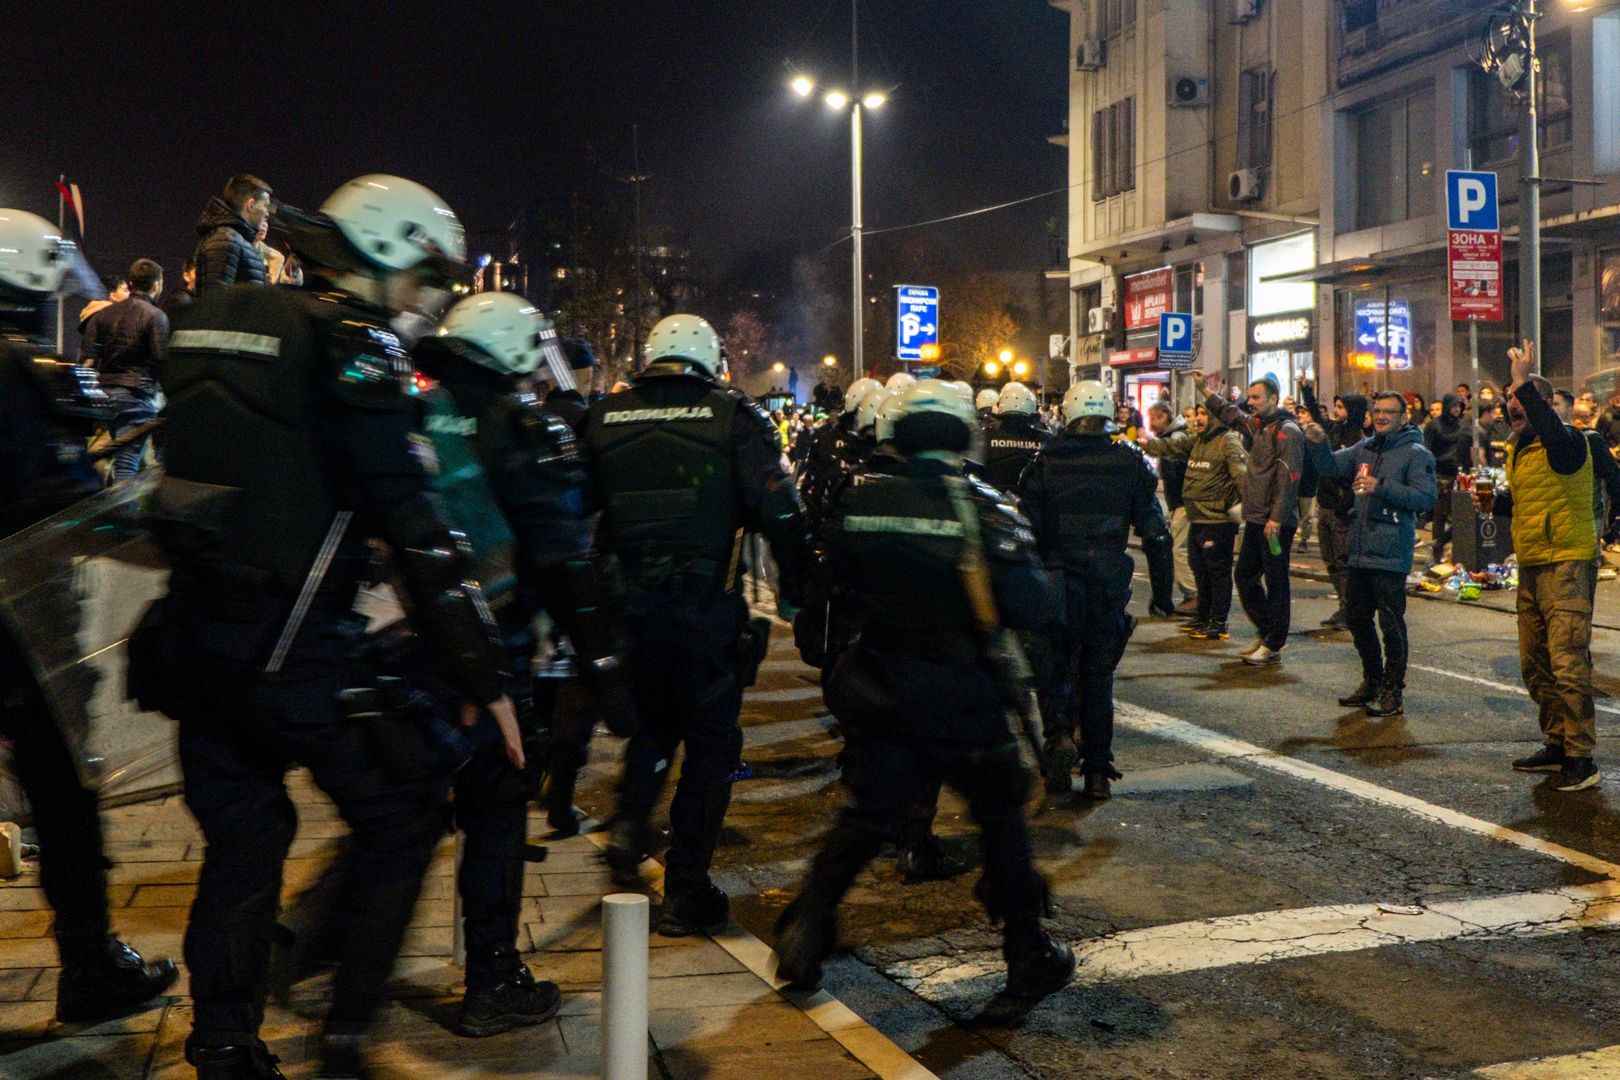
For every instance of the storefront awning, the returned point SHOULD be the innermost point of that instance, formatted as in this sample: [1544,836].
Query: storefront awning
[1415,263]
[1160,241]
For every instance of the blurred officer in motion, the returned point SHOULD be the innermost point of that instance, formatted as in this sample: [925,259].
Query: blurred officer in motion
[1012,436]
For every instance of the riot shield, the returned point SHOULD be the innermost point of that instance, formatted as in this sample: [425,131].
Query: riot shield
[72,587]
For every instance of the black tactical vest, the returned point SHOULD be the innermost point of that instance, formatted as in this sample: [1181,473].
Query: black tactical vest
[1009,444]
[663,464]
[248,377]
[1091,488]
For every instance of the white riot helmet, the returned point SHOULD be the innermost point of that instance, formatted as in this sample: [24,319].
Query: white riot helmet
[689,338]
[397,224]
[1016,398]
[857,393]
[866,416]
[935,415]
[511,335]
[985,399]
[900,381]
[1086,399]
[34,256]
[892,409]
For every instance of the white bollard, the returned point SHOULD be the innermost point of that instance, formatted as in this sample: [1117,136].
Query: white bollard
[624,986]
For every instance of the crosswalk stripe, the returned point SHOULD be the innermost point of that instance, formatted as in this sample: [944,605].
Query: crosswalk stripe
[1587,1066]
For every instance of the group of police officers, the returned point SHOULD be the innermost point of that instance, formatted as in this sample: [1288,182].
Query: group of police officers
[302,461]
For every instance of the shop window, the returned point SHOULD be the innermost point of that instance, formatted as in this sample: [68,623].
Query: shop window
[1396,173]
[1493,115]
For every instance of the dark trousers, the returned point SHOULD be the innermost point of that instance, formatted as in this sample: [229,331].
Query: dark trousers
[1381,593]
[239,733]
[492,809]
[1262,583]
[886,776]
[72,864]
[1440,523]
[686,685]
[1079,692]
[135,407]
[1334,534]
[1210,551]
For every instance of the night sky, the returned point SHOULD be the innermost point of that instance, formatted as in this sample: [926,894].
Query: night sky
[149,107]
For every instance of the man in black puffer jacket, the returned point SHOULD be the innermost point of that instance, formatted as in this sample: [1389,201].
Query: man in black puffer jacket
[1334,499]
[229,224]
[1450,438]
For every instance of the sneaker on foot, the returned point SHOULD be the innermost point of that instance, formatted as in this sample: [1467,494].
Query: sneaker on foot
[1259,643]
[1192,626]
[1264,656]
[1098,787]
[1160,611]
[1549,758]
[1057,764]
[1387,703]
[519,1001]
[1210,631]
[1367,691]
[1578,774]
[110,983]
[1188,606]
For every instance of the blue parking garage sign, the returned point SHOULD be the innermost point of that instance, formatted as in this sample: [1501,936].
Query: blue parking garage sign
[917,323]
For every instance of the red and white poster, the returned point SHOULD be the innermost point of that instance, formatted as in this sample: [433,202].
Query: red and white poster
[1474,260]
[1147,296]
[1124,357]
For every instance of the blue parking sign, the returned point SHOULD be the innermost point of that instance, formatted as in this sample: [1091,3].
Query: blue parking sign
[1471,201]
[1176,339]
[917,323]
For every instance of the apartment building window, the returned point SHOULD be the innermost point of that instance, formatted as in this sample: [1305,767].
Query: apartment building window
[1254,118]
[1113,149]
[1360,14]
[1493,115]
[1115,16]
[1395,167]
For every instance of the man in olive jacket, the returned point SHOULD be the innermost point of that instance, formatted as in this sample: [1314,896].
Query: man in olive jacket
[1216,467]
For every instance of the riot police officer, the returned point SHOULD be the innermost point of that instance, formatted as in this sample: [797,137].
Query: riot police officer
[47,410]
[835,449]
[288,445]
[681,465]
[923,700]
[1012,436]
[1084,493]
[984,404]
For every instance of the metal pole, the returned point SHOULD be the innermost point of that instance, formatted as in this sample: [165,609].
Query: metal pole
[641,287]
[858,288]
[624,987]
[1473,355]
[1530,182]
[61,227]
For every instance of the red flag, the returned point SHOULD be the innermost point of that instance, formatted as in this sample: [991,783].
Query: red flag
[70,196]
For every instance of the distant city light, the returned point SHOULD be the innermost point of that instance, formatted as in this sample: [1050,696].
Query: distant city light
[803,85]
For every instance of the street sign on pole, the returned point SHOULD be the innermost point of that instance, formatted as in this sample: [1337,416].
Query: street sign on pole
[1176,341]
[916,320]
[1474,246]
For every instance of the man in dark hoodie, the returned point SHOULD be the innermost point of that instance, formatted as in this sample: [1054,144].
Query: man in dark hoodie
[1333,498]
[226,255]
[1450,439]
[1391,480]
[1270,512]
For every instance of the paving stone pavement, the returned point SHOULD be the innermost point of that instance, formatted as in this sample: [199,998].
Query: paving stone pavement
[711,1016]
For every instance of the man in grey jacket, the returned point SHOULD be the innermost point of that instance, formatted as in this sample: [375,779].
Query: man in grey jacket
[1270,510]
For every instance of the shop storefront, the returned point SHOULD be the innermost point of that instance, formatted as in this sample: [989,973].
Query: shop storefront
[1282,314]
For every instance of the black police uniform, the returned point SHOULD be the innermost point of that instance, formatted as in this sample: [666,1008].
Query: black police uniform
[1083,494]
[499,456]
[680,467]
[921,702]
[47,410]
[1011,441]
[835,452]
[288,413]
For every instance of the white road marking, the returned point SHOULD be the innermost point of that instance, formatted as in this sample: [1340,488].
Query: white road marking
[756,735]
[780,697]
[1268,936]
[1158,724]
[1507,688]
[1591,1065]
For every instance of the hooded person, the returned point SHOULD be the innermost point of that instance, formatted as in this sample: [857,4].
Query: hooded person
[1449,437]
[1344,427]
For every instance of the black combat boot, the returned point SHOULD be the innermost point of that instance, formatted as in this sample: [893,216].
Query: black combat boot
[1057,764]
[924,858]
[106,981]
[1037,964]
[805,936]
[626,849]
[520,1000]
[234,1063]
[695,908]
[343,1057]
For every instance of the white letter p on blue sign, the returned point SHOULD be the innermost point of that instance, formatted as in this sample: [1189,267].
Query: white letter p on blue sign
[1471,201]
[1175,334]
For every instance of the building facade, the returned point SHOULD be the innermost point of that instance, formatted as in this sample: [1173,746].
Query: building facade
[1297,197]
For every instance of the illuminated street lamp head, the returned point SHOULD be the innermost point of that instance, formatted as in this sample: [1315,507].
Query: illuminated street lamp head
[830,361]
[803,85]
[836,99]
[992,368]
[779,366]
[1006,356]
[875,100]
[1021,368]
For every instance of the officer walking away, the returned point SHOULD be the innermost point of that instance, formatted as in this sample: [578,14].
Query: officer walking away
[288,444]
[836,448]
[681,466]
[47,410]
[1391,476]
[924,701]
[984,404]
[1012,437]
[1270,511]
[1084,493]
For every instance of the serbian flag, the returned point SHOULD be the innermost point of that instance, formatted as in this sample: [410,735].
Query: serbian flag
[73,200]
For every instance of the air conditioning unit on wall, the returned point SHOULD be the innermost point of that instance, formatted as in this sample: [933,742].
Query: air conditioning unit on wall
[1091,55]
[1188,91]
[1245,185]
[1099,320]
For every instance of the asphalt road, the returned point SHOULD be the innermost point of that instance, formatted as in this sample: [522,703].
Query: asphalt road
[1280,887]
